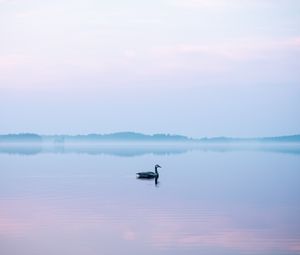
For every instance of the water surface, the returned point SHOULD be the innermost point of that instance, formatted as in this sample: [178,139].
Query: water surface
[210,200]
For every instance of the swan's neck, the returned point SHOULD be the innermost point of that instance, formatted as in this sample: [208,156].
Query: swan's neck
[156,170]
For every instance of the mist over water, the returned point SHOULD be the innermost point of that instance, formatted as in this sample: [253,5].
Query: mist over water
[87,200]
[139,149]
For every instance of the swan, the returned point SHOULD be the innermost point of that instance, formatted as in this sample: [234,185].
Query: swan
[149,175]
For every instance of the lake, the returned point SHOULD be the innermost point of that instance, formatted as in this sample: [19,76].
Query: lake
[86,200]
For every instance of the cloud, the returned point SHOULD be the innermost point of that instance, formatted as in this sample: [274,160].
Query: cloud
[215,5]
[224,4]
[204,59]
[239,49]
[11,61]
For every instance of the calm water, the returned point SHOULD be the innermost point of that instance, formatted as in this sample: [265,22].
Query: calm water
[87,201]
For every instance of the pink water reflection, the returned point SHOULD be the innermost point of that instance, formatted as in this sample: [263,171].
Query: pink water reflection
[72,226]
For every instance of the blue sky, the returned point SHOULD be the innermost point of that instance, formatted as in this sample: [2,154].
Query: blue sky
[194,67]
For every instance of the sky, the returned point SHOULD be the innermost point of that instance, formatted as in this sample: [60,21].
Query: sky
[192,67]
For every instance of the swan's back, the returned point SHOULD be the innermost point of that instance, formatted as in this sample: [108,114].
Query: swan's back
[146,175]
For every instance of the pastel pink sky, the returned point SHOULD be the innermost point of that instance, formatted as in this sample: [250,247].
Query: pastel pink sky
[103,54]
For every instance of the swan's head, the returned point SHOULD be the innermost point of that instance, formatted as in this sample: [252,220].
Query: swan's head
[157,166]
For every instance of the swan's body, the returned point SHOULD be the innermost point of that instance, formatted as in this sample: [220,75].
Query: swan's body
[149,175]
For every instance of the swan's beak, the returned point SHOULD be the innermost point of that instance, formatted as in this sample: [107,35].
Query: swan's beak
[159,166]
